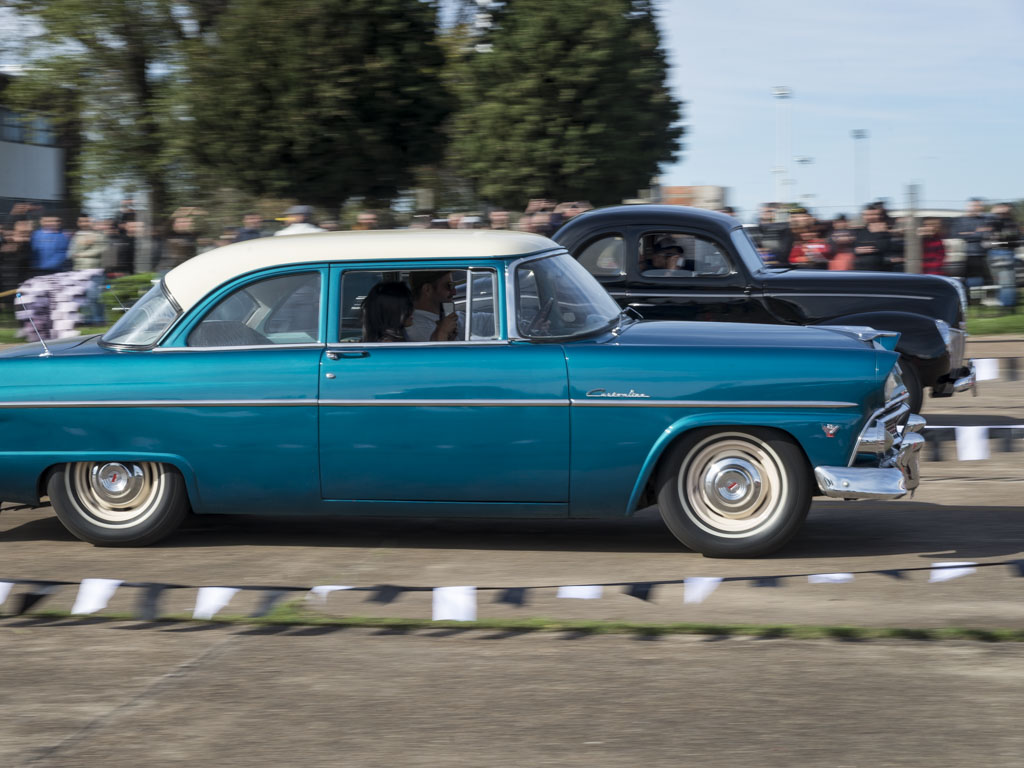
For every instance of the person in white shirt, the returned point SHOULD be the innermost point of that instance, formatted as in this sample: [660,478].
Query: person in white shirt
[298,218]
[430,290]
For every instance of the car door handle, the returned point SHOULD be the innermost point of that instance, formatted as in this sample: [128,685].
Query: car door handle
[337,354]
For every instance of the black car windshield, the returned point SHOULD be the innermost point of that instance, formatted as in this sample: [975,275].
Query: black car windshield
[557,298]
[145,322]
[747,250]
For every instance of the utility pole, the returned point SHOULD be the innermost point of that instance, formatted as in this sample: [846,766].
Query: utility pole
[911,237]
[782,94]
[860,162]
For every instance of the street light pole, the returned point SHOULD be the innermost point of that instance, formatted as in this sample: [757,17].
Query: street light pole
[860,162]
[782,94]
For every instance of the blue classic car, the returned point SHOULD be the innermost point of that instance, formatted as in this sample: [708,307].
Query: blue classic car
[243,383]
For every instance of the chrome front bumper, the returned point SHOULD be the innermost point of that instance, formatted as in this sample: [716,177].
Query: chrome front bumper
[967,380]
[897,471]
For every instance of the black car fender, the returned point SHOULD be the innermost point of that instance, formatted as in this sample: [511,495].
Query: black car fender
[919,335]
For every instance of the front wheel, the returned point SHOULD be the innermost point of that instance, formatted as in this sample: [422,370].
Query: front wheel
[732,493]
[912,381]
[112,504]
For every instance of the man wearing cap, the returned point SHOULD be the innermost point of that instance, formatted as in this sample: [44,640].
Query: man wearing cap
[298,218]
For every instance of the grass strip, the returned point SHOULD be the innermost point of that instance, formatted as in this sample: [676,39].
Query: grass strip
[298,616]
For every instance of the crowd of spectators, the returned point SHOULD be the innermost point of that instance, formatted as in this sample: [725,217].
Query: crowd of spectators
[34,242]
[794,237]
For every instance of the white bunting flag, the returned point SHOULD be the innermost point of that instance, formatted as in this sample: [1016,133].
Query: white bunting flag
[209,600]
[94,594]
[949,571]
[697,589]
[972,443]
[829,578]
[320,593]
[583,592]
[454,604]
[5,590]
[986,369]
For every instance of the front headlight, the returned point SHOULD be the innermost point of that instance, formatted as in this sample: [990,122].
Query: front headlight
[943,328]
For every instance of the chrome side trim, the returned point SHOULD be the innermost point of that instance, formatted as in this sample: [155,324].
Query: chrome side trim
[446,403]
[851,295]
[695,294]
[433,402]
[304,345]
[640,403]
[156,403]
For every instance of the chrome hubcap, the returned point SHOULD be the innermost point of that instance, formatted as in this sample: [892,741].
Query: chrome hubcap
[116,483]
[115,494]
[732,485]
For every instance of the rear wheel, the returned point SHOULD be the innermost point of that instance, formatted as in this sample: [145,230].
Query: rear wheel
[113,503]
[734,493]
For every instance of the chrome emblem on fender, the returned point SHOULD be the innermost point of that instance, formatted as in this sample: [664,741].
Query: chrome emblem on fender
[830,429]
[606,393]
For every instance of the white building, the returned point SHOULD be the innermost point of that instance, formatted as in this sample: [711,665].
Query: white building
[31,163]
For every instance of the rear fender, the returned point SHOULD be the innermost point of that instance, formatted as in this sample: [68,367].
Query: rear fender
[919,336]
[29,471]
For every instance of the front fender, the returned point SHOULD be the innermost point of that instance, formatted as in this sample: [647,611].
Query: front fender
[919,336]
[804,426]
[22,472]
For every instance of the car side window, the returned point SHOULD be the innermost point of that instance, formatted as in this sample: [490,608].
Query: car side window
[677,254]
[468,293]
[605,256]
[277,310]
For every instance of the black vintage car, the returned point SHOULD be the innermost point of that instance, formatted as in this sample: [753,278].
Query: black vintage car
[676,263]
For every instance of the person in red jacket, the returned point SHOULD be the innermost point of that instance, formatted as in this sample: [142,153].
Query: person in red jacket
[933,252]
[810,251]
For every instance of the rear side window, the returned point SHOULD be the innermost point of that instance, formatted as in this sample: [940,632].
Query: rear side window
[278,310]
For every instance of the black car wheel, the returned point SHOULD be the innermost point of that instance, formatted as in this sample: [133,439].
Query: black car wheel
[912,381]
[114,503]
[732,493]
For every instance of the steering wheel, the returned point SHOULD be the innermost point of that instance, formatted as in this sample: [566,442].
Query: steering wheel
[540,317]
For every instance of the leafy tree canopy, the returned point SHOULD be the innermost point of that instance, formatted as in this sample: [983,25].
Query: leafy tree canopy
[324,100]
[565,99]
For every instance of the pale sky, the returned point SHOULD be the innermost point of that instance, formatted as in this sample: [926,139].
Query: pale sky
[938,85]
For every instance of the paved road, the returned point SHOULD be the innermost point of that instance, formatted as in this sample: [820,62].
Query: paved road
[80,693]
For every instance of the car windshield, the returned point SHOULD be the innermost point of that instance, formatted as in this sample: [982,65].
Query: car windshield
[747,250]
[557,298]
[145,322]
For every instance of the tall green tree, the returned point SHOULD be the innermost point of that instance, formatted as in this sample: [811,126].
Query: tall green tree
[116,62]
[319,99]
[564,99]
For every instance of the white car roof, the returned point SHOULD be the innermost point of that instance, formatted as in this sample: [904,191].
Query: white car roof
[189,282]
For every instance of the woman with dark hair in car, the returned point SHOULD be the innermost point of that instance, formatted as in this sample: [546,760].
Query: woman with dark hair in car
[387,312]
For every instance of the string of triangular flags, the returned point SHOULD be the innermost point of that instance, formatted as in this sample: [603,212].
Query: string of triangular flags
[972,443]
[458,603]
[995,368]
